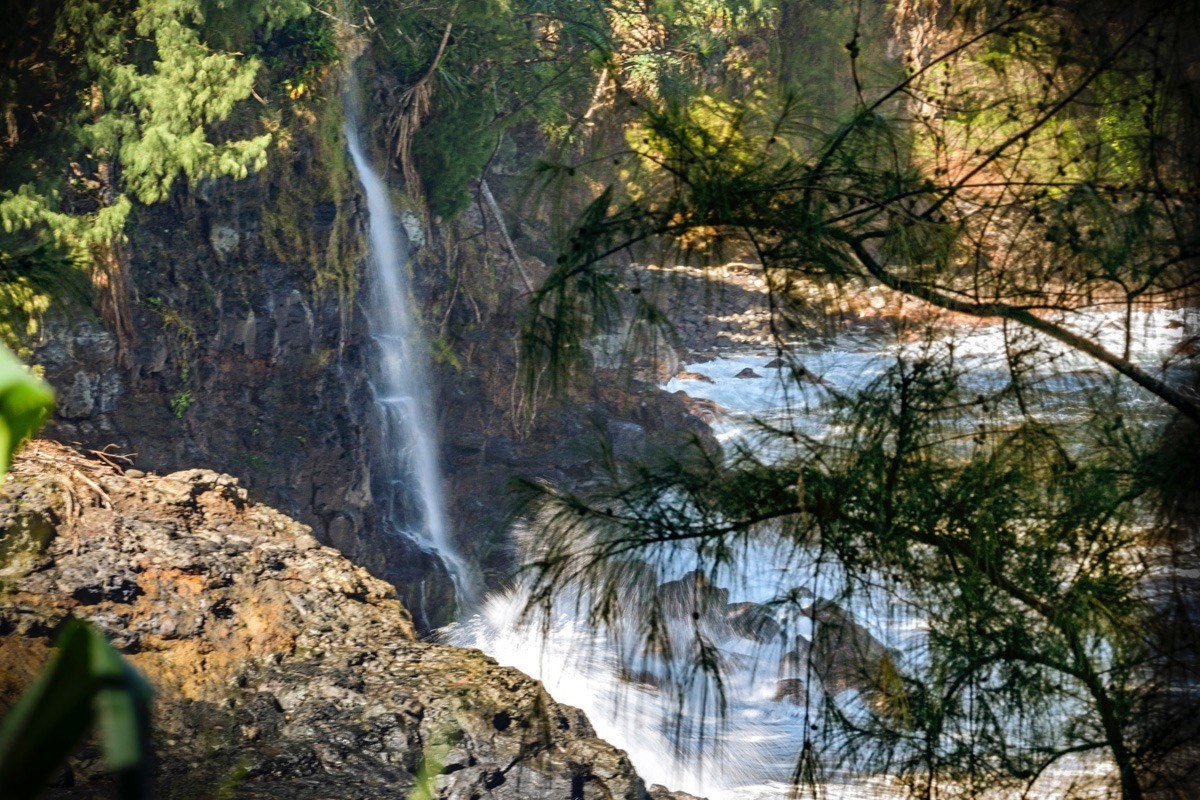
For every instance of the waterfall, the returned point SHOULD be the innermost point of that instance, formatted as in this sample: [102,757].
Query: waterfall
[400,383]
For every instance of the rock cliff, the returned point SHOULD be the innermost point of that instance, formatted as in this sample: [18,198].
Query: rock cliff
[281,670]
[251,355]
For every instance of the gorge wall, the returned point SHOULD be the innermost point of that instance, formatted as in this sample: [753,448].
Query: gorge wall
[249,356]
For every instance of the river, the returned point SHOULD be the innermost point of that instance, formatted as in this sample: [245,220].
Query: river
[750,751]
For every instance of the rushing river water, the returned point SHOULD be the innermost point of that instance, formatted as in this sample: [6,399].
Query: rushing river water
[751,750]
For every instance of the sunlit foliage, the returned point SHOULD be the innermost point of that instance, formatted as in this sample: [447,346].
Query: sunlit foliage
[111,104]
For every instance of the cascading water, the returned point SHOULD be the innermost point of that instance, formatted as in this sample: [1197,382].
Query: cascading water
[400,384]
[752,756]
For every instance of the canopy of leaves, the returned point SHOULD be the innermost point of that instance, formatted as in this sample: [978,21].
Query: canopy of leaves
[1006,177]
[108,104]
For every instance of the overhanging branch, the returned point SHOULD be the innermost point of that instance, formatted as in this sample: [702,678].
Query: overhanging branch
[1182,401]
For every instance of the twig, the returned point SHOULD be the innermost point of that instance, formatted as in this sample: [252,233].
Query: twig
[490,200]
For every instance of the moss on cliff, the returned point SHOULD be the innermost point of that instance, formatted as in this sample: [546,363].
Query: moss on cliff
[309,187]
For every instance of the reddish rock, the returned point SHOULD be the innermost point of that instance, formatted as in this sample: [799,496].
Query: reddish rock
[273,658]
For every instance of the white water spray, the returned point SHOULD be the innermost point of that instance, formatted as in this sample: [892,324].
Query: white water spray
[401,384]
[753,756]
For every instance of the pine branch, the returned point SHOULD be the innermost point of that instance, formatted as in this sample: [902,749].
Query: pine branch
[1183,402]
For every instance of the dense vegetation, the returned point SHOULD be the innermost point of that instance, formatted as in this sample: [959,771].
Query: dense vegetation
[107,105]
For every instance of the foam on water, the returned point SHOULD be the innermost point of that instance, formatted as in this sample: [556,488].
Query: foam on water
[751,751]
[855,359]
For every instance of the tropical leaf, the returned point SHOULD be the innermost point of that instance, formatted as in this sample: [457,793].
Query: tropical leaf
[87,683]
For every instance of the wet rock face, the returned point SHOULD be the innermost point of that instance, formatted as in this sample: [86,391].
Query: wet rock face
[695,596]
[236,363]
[845,654]
[272,656]
[753,621]
[239,363]
[842,655]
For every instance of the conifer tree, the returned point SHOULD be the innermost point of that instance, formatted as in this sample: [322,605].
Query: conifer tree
[107,105]
[1033,167]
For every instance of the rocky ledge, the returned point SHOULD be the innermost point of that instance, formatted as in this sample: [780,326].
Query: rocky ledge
[280,669]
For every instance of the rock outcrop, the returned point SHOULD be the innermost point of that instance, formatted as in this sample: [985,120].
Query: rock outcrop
[845,654]
[252,355]
[280,669]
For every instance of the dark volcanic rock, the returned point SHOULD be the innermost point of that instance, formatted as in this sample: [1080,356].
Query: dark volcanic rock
[803,374]
[845,654]
[271,655]
[790,690]
[706,411]
[752,621]
[693,594]
[658,792]
[252,354]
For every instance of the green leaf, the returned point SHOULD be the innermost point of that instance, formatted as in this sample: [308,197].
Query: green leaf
[85,682]
[24,403]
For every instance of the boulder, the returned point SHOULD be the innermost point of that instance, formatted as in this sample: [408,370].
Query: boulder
[704,410]
[695,596]
[752,621]
[790,690]
[747,373]
[794,662]
[804,375]
[660,792]
[845,654]
[277,664]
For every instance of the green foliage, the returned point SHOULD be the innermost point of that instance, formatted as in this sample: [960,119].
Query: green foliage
[1016,544]
[503,64]
[243,25]
[1012,174]
[433,758]
[32,276]
[811,46]
[670,50]
[452,148]
[181,402]
[302,190]
[117,103]
[549,65]
[24,403]
[86,684]
[913,197]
